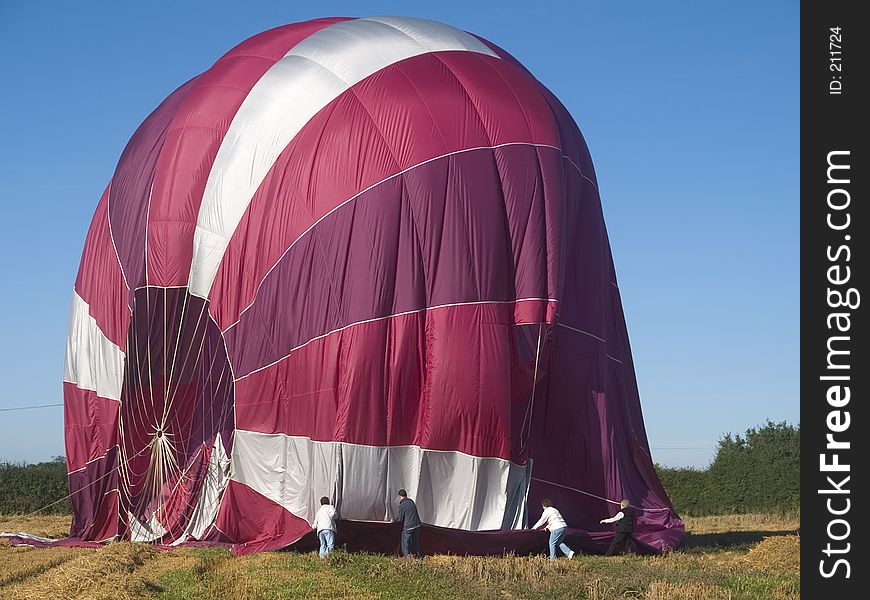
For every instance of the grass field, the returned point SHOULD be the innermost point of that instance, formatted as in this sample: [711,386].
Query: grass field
[727,557]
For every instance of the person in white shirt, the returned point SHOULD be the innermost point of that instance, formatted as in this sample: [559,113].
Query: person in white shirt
[324,523]
[552,519]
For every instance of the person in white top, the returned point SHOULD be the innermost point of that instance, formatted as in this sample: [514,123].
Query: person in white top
[324,523]
[552,519]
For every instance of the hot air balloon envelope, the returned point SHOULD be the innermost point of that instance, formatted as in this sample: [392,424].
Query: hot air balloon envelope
[354,256]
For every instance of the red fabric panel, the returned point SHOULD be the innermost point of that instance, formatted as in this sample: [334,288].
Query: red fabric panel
[535,312]
[90,425]
[192,141]
[254,523]
[108,523]
[403,115]
[100,282]
[69,542]
[440,379]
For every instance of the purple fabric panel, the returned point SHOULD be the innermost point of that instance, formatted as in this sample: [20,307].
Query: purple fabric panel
[587,438]
[473,226]
[571,140]
[130,191]
[358,536]
[69,542]
[585,278]
[93,493]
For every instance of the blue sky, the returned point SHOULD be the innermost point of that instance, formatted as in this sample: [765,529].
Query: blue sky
[690,111]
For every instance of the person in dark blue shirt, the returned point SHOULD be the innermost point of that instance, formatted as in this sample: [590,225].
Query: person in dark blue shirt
[410,525]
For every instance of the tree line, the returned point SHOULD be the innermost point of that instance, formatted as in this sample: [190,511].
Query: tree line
[756,472]
[25,488]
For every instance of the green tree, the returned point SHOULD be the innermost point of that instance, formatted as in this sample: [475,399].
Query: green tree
[25,488]
[757,472]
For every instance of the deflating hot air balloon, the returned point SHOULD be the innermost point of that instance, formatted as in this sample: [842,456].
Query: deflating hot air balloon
[354,256]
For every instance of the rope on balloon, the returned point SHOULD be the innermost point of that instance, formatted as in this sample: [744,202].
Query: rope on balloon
[84,487]
[567,487]
[125,474]
[133,346]
[174,391]
[527,417]
[226,406]
[209,475]
[163,464]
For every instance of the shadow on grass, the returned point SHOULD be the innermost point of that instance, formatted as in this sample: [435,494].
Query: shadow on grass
[730,539]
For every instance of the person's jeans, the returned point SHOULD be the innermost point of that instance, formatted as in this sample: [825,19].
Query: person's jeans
[327,541]
[557,537]
[411,542]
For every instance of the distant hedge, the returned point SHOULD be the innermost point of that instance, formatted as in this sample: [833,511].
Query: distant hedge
[758,472]
[25,488]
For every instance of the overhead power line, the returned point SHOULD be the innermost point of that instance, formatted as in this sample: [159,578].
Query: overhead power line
[681,447]
[30,407]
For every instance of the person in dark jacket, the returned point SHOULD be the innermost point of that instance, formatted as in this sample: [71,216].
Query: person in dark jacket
[410,525]
[624,520]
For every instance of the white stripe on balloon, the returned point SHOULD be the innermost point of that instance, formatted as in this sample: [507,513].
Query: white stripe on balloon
[310,76]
